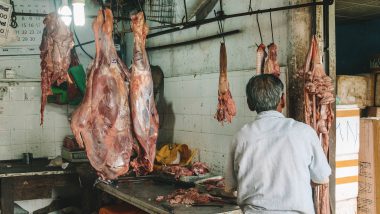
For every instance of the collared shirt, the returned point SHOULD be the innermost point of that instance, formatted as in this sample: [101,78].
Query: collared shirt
[271,164]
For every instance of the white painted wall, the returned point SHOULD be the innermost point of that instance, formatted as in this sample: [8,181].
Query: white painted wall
[20,106]
[191,77]
[20,129]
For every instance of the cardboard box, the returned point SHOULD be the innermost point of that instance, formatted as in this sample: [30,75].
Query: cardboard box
[377,89]
[370,88]
[347,129]
[346,177]
[353,90]
[369,165]
[346,207]
[373,111]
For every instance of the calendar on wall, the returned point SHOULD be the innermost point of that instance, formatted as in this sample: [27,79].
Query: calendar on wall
[30,28]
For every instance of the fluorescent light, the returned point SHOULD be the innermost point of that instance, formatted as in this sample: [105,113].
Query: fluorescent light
[79,17]
[65,13]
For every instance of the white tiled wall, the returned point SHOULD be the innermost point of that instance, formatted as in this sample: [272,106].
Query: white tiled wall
[20,129]
[190,119]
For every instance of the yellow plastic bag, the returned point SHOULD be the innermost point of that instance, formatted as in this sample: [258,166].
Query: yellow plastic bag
[170,153]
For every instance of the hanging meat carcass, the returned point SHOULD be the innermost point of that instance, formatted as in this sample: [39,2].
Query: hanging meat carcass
[102,123]
[226,108]
[319,96]
[57,42]
[271,65]
[144,112]
[260,59]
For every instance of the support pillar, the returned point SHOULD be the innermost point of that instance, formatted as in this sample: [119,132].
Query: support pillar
[299,38]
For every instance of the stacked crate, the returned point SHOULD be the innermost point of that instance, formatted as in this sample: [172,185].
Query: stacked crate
[347,158]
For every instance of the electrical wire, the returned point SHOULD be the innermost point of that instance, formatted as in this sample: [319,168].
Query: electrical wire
[80,44]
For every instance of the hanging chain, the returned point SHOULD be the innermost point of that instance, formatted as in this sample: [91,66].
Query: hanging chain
[13,23]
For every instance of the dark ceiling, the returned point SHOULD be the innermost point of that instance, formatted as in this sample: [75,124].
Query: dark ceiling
[356,10]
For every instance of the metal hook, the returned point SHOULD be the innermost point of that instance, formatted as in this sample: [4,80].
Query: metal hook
[103,8]
[271,25]
[220,23]
[258,25]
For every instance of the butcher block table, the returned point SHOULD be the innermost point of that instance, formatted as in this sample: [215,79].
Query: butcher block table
[20,181]
[142,194]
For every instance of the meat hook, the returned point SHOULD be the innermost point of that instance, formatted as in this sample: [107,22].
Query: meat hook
[103,8]
[219,14]
[258,25]
[271,25]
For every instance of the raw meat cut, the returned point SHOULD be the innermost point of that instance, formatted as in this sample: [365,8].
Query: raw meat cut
[319,96]
[102,123]
[199,168]
[144,112]
[57,42]
[177,171]
[226,108]
[271,65]
[187,196]
[260,59]
[216,183]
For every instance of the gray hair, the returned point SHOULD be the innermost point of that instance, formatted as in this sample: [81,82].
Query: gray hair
[264,92]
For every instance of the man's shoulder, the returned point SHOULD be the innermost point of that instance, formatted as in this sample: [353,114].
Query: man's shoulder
[299,126]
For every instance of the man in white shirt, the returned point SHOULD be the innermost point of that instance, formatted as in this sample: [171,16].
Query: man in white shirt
[273,160]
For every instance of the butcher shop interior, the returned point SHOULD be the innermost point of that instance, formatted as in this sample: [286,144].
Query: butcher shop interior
[189,106]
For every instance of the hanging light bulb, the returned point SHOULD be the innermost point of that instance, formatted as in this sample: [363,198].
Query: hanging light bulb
[65,13]
[79,17]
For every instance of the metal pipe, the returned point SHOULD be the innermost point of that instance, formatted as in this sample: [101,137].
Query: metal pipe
[223,16]
[193,41]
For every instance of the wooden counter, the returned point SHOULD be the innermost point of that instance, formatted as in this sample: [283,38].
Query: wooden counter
[25,182]
[142,194]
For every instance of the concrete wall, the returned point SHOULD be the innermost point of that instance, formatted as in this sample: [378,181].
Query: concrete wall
[355,44]
[191,77]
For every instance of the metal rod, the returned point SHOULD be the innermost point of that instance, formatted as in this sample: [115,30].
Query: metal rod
[326,34]
[271,25]
[258,25]
[314,19]
[193,41]
[43,15]
[191,24]
[184,2]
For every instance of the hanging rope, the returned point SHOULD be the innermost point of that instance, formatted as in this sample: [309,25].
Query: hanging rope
[258,25]
[271,25]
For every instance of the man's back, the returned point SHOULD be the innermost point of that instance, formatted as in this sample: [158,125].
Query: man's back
[273,160]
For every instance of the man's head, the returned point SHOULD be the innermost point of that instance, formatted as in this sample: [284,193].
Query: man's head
[265,92]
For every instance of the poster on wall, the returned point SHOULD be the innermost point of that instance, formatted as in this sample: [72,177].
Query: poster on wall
[5,14]
[29,28]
